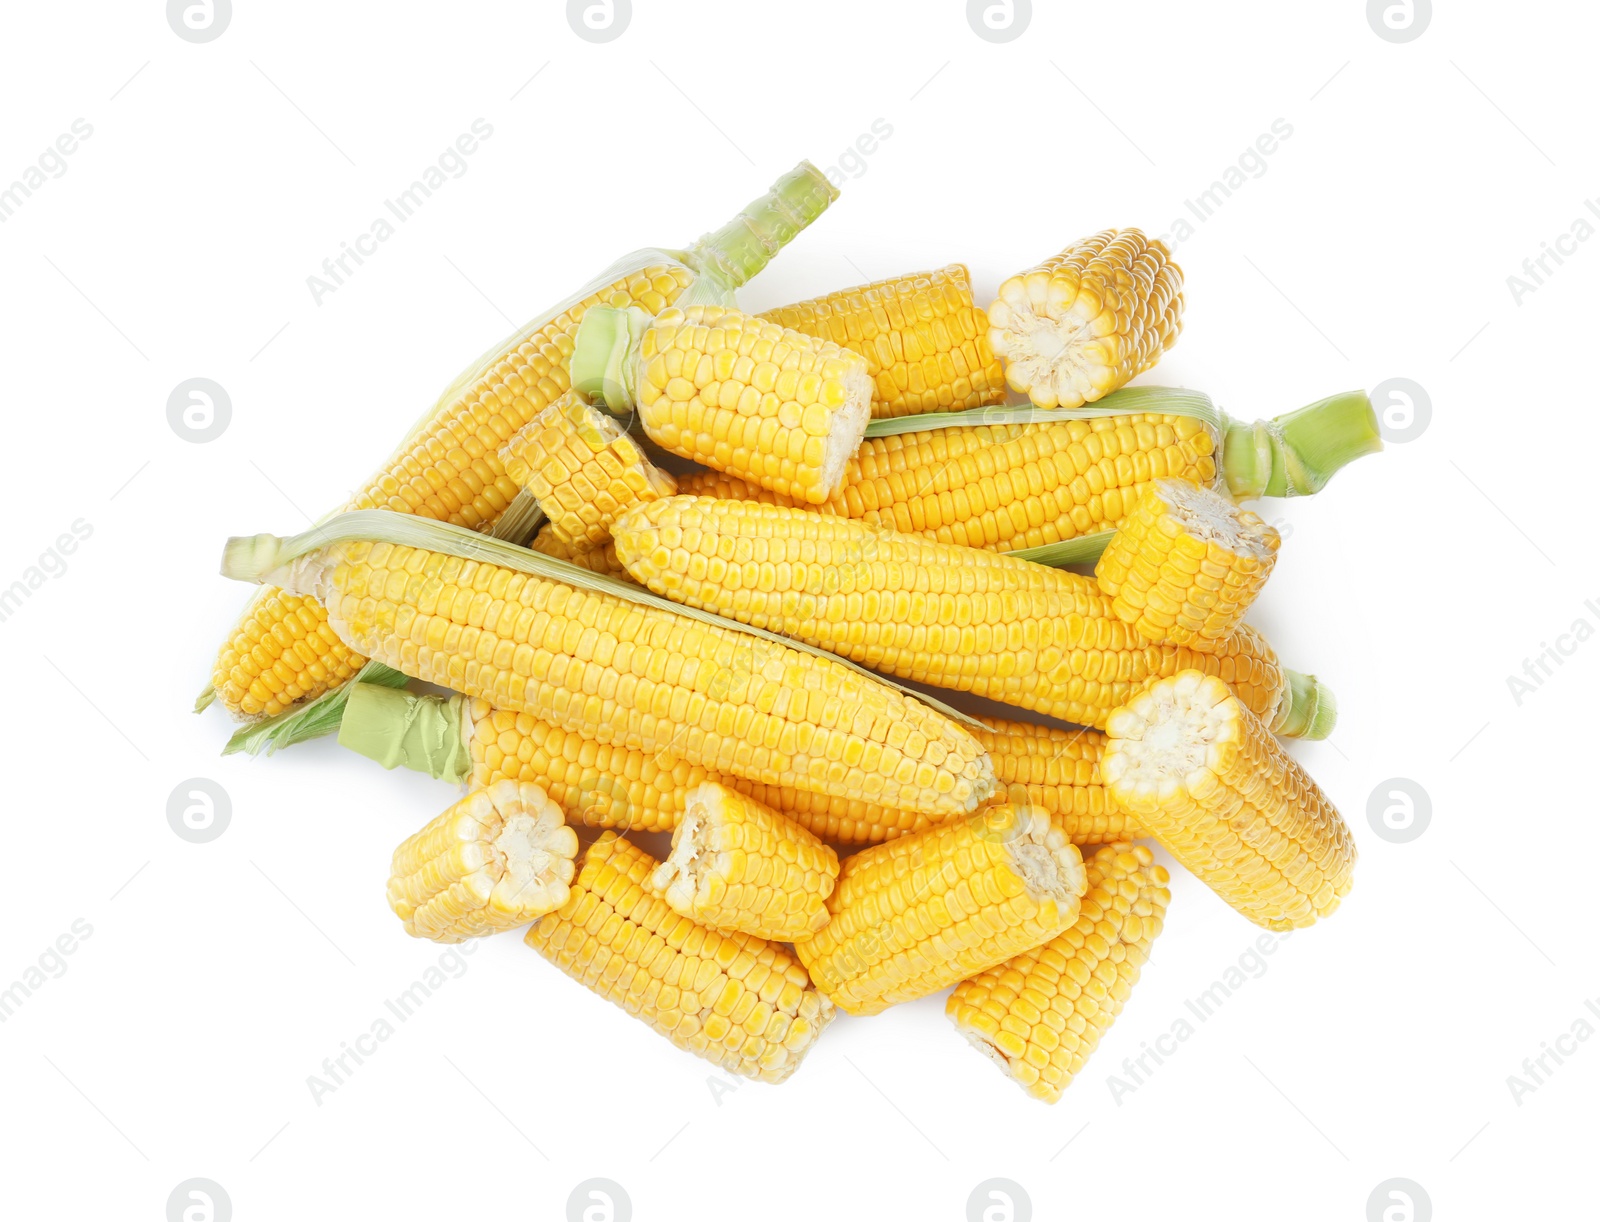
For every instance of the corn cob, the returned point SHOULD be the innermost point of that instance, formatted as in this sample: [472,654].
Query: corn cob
[497,859]
[775,407]
[926,343]
[1000,627]
[618,671]
[600,559]
[582,468]
[448,468]
[1186,564]
[740,1002]
[1040,1015]
[1006,487]
[1058,772]
[1085,322]
[741,866]
[924,911]
[1209,781]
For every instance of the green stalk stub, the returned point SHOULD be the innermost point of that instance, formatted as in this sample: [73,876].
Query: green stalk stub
[746,244]
[311,720]
[605,355]
[1308,709]
[424,733]
[1297,454]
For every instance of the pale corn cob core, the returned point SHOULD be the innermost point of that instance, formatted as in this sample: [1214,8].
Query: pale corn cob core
[582,468]
[598,559]
[738,865]
[1040,1015]
[923,911]
[448,469]
[1010,486]
[957,617]
[740,1002]
[777,407]
[499,858]
[926,343]
[1085,322]
[1185,565]
[642,678]
[1208,779]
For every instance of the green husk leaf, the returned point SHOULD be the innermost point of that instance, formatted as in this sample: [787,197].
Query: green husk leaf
[1085,549]
[314,719]
[1129,401]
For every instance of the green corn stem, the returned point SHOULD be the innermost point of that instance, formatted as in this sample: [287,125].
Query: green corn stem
[1297,454]
[314,719]
[1307,709]
[422,733]
[280,561]
[605,355]
[747,243]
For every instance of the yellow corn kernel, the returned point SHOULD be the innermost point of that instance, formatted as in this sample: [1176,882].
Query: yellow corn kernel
[1040,1015]
[598,559]
[1057,771]
[1086,321]
[1186,564]
[926,343]
[1208,780]
[497,859]
[740,1002]
[739,865]
[923,911]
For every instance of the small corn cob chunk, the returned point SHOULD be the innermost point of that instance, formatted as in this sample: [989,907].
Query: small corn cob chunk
[1040,1015]
[926,343]
[1085,322]
[498,859]
[732,998]
[599,559]
[448,467]
[739,865]
[775,407]
[1000,627]
[625,674]
[1210,782]
[924,911]
[1186,564]
[1058,772]
[582,468]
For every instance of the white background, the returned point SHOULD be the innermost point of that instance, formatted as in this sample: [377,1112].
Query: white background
[1376,244]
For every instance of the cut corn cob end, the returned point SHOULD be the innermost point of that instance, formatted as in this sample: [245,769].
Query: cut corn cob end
[496,860]
[1040,1015]
[1209,781]
[1085,322]
[1306,708]
[1186,564]
[739,865]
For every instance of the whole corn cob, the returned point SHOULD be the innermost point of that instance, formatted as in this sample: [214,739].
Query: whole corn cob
[921,912]
[1209,781]
[740,1002]
[1006,487]
[497,859]
[599,785]
[775,407]
[448,468]
[1186,564]
[926,343]
[1040,1015]
[997,626]
[582,468]
[599,559]
[739,865]
[616,670]
[1088,320]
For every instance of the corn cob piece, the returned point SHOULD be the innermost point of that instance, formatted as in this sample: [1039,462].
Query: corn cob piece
[1058,772]
[775,407]
[1209,781]
[599,559]
[1000,627]
[1040,1015]
[1086,321]
[1186,564]
[497,859]
[619,672]
[1005,487]
[582,468]
[448,468]
[739,865]
[926,343]
[734,999]
[924,911]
